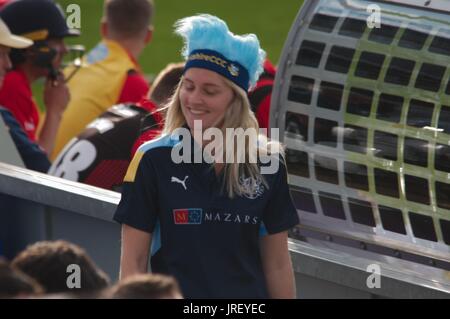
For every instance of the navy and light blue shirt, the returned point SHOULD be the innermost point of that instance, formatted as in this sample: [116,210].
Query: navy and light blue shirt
[207,241]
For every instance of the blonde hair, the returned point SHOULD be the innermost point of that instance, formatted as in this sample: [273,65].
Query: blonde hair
[238,115]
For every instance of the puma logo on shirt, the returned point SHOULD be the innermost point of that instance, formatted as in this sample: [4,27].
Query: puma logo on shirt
[182,182]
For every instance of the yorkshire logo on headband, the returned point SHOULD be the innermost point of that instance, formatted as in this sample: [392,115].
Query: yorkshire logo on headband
[214,61]
[233,69]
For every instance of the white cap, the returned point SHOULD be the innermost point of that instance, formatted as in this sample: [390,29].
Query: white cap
[13,41]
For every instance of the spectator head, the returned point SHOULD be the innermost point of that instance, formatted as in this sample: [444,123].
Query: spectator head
[146,286]
[42,21]
[8,41]
[165,84]
[161,91]
[15,284]
[48,263]
[128,19]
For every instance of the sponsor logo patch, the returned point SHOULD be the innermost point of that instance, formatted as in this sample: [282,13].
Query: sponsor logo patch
[188,216]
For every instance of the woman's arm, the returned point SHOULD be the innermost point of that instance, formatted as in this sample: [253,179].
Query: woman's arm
[277,266]
[134,251]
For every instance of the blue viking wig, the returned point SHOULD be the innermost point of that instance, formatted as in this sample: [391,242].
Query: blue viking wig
[210,45]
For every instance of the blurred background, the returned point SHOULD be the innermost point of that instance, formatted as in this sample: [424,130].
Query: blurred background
[269,20]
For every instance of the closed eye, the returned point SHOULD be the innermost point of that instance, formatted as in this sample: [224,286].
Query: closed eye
[188,86]
[210,92]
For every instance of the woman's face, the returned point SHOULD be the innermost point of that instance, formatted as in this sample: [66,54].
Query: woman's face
[204,96]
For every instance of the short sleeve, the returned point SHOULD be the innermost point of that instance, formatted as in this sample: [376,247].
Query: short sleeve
[280,213]
[134,88]
[138,206]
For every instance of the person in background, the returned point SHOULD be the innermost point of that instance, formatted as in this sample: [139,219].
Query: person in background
[163,88]
[43,22]
[261,95]
[110,73]
[47,262]
[15,284]
[101,154]
[30,152]
[146,286]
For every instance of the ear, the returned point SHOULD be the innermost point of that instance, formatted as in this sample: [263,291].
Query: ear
[104,29]
[149,35]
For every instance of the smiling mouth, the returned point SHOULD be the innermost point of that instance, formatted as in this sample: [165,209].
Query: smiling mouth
[197,112]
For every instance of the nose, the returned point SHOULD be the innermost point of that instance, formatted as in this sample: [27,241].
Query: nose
[196,97]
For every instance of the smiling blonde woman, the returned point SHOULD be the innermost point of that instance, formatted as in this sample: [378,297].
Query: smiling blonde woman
[219,228]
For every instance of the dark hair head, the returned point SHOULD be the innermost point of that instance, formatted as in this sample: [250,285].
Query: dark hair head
[146,286]
[129,18]
[163,87]
[48,262]
[14,283]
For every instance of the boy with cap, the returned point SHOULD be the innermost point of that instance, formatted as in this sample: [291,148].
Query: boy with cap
[43,22]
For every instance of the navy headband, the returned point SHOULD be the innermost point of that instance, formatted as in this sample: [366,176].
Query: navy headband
[214,61]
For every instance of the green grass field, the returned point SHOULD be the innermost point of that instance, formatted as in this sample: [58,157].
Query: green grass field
[269,20]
